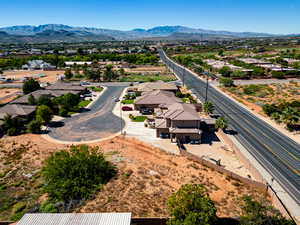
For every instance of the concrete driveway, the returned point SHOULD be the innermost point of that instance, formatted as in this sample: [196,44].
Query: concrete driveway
[95,124]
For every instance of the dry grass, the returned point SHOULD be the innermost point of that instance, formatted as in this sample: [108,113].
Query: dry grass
[146,177]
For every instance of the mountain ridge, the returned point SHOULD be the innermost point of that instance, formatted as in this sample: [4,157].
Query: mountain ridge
[25,33]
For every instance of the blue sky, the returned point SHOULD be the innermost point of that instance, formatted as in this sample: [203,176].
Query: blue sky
[272,16]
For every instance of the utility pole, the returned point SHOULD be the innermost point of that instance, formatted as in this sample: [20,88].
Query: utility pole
[121,117]
[183,76]
[206,73]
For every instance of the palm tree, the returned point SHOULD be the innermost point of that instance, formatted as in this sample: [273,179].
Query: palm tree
[221,123]
[208,107]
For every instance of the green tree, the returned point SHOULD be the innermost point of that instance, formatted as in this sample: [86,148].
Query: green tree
[191,205]
[68,74]
[226,82]
[225,71]
[221,123]
[68,101]
[44,114]
[34,127]
[261,213]
[31,100]
[12,126]
[109,74]
[208,107]
[77,173]
[30,86]
[221,52]
[45,100]
[239,74]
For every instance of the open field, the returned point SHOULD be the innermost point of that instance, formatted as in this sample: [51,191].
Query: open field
[50,76]
[265,94]
[147,177]
[279,94]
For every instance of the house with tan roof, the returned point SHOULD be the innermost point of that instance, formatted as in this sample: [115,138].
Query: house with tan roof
[37,94]
[64,86]
[153,86]
[180,122]
[16,110]
[153,99]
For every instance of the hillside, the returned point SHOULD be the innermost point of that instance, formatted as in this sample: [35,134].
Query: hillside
[59,32]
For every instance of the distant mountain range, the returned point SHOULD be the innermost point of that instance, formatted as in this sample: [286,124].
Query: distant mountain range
[64,33]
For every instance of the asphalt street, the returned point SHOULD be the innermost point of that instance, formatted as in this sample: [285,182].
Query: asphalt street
[97,123]
[277,153]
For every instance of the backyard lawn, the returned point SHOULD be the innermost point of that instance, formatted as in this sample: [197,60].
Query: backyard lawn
[138,118]
[84,103]
[96,89]
[128,101]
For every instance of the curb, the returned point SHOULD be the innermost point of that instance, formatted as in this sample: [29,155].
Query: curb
[51,139]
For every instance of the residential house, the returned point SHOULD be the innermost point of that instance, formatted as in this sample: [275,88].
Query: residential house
[37,94]
[37,65]
[217,64]
[64,86]
[78,63]
[181,122]
[254,61]
[153,99]
[153,86]
[16,110]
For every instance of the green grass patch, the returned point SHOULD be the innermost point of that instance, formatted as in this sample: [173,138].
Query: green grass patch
[147,78]
[96,89]
[84,103]
[127,101]
[138,118]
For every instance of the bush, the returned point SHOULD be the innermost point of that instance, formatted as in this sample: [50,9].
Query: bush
[30,86]
[76,174]
[269,109]
[63,112]
[12,131]
[260,213]
[48,207]
[278,75]
[31,100]
[251,89]
[225,71]
[226,82]
[34,127]
[191,205]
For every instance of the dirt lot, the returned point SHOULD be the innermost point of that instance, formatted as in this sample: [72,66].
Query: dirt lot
[18,74]
[8,94]
[147,177]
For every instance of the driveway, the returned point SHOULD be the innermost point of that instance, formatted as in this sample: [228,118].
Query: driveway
[95,124]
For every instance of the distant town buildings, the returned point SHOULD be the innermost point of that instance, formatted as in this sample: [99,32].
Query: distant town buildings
[37,65]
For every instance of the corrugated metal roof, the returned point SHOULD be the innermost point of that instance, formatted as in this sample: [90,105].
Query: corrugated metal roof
[76,219]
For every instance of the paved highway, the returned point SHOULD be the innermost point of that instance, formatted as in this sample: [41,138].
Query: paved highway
[277,153]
